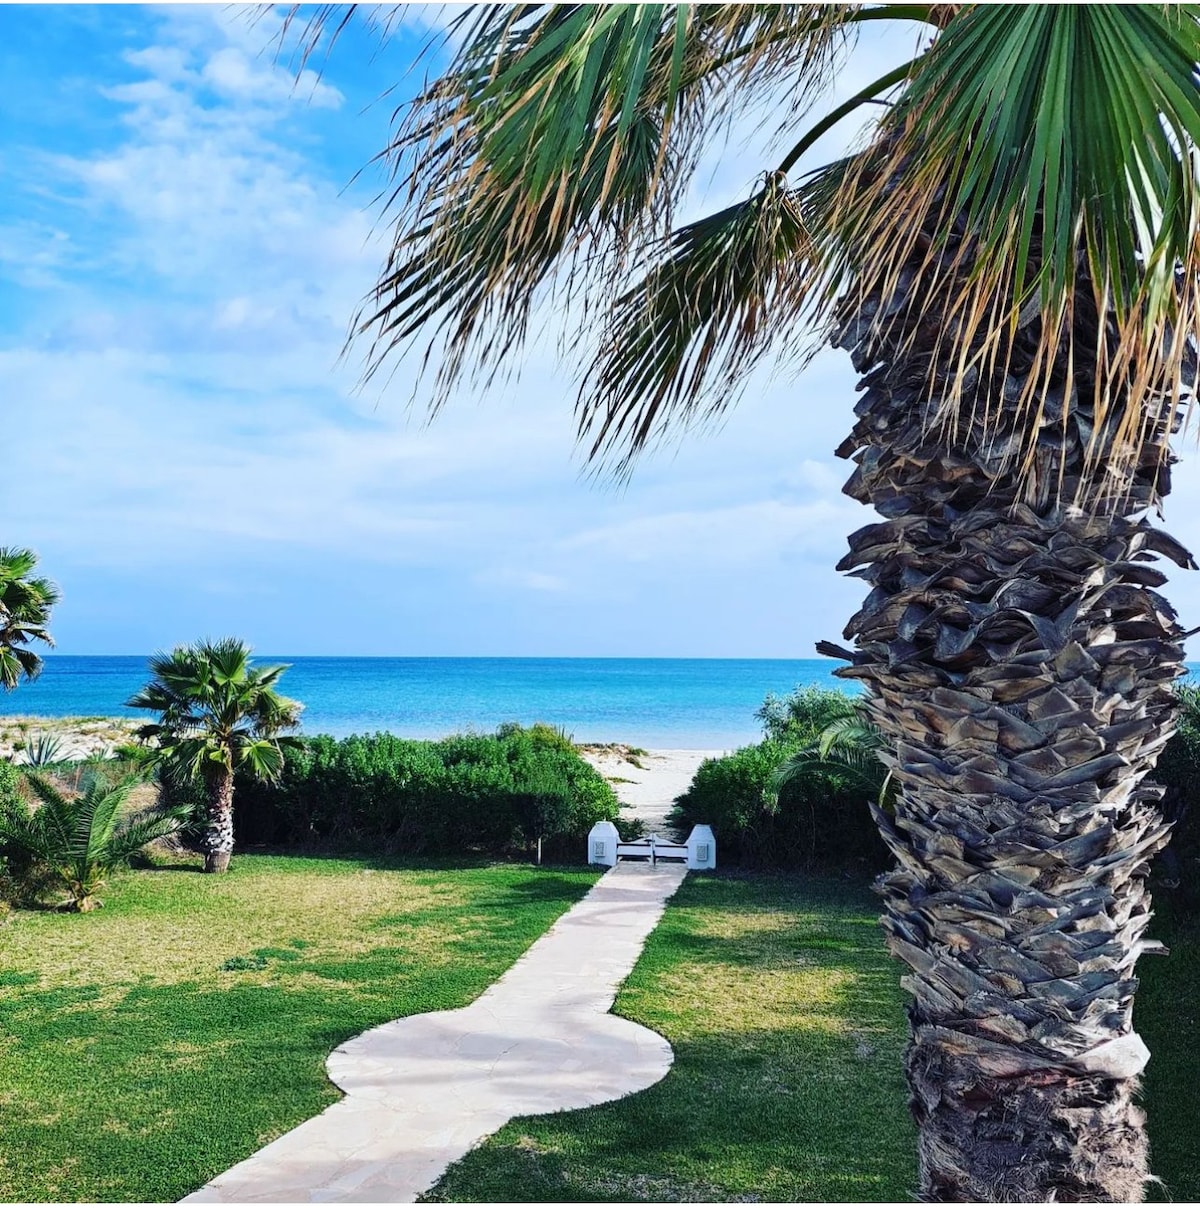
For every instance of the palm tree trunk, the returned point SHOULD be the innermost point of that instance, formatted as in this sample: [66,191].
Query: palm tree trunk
[218,842]
[1019,662]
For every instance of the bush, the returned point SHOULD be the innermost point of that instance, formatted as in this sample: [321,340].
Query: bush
[817,818]
[799,717]
[13,863]
[471,792]
[811,821]
[1177,870]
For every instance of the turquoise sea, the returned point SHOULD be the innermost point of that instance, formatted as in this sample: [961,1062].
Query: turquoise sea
[698,703]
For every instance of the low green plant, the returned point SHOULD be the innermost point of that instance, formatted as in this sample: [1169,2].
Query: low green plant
[82,839]
[44,750]
[848,753]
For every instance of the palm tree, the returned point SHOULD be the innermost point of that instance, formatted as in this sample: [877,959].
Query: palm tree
[1010,259]
[217,713]
[25,604]
[83,839]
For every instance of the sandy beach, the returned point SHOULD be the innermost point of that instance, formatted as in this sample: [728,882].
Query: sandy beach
[646,782]
[78,737]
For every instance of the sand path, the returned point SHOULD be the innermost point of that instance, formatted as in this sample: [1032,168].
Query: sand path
[648,791]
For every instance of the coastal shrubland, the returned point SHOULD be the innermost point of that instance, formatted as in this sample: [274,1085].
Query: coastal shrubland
[470,792]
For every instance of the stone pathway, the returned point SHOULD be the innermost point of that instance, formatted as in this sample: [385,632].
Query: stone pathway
[422,1091]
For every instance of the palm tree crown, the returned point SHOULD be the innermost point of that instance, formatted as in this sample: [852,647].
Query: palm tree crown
[556,149]
[216,709]
[217,712]
[25,604]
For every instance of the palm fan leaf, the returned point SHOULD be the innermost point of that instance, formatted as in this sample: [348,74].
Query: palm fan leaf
[559,144]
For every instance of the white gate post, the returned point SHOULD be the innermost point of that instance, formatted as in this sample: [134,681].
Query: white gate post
[702,848]
[602,843]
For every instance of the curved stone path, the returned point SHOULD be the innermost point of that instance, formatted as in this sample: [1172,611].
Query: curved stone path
[422,1091]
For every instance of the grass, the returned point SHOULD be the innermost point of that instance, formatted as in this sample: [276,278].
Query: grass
[153,1044]
[787,1023]
[192,1016]
[1167,1014]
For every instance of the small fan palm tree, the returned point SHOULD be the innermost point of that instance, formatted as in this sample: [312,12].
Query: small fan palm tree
[82,839]
[1011,258]
[217,712]
[25,604]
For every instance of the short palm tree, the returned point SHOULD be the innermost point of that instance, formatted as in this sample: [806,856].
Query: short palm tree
[217,712]
[82,839]
[25,604]
[1010,259]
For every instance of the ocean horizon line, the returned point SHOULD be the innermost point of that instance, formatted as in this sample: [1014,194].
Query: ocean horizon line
[668,702]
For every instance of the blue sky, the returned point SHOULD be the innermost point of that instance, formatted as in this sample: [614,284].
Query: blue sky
[182,243]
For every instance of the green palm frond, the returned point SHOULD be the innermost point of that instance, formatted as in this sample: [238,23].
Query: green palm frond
[849,749]
[558,145]
[711,306]
[213,706]
[83,838]
[25,604]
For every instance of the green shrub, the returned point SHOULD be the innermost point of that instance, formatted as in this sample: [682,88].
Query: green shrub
[12,862]
[812,820]
[799,717]
[470,792]
[817,817]
[1177,870]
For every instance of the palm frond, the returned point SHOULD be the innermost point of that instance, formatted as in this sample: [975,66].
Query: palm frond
[681,340]
[1042,164]
[555,146]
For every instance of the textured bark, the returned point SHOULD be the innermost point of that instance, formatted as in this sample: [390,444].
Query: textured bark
[218,842]
[1019,661]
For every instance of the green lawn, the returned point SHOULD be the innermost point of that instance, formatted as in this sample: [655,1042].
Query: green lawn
[787,1021]
[148,1046]
[1167,1014]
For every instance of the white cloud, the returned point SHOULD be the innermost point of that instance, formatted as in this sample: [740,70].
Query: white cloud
[233,74]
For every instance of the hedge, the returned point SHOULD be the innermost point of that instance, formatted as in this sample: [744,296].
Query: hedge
[471,792]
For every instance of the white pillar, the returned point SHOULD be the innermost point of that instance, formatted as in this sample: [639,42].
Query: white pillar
[702,848]
[602,844]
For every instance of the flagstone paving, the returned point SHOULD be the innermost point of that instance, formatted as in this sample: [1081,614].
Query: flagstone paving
[422,1091]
